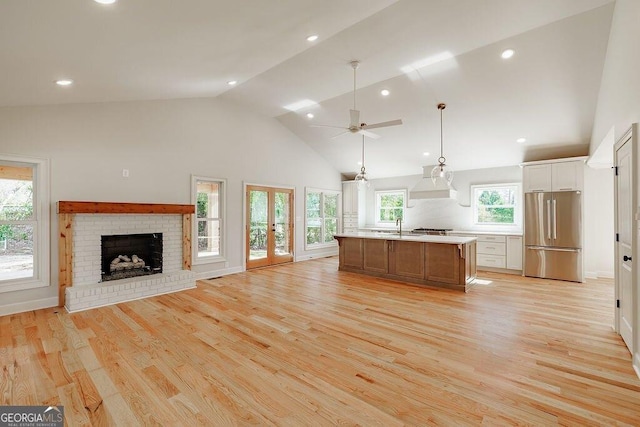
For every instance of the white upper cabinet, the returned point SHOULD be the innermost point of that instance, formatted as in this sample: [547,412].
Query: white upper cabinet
[349,198]
[537,178]
[567,176]
[554,176]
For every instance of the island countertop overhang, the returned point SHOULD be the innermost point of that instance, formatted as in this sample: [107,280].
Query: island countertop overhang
[451,240]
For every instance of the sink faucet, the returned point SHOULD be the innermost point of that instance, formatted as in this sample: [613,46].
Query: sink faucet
[399,224]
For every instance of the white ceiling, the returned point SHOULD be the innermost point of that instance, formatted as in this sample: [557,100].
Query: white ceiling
[162,49]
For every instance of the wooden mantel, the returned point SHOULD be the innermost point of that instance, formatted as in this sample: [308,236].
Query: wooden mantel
[66,211]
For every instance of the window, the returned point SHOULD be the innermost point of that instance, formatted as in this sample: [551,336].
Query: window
[24,224]
[208,196]
[390,206]
[496,204]
[321,217]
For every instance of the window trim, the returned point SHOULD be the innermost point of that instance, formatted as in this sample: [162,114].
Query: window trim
[322,245]
[517,214]
[41,248]
[222,198]
[377,195]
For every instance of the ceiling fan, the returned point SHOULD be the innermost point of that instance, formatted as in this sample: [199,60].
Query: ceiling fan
[355,126]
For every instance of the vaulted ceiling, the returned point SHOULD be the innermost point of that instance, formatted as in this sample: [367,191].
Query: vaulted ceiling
[423,51]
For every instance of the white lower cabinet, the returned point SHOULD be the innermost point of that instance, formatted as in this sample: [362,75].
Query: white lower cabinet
[498,251]
[491,251]
[514,252]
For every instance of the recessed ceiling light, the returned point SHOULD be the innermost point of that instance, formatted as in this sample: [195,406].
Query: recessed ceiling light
[507,53]
[232,82]
[312,38]
[105,1]
[521,140]
[310,115]
[426,153]
[385,92]
[64,82]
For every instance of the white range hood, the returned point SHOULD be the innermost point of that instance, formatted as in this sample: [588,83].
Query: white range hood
[426,189]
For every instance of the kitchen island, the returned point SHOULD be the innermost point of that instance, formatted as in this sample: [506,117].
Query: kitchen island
[439,261]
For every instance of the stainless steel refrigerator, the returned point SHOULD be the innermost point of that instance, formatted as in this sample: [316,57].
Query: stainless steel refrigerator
[553,235]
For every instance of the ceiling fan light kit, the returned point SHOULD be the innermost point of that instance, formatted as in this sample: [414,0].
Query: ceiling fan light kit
[441,172]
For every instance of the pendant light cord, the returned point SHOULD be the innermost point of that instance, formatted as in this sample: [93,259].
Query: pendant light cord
[362,168]
[441,159]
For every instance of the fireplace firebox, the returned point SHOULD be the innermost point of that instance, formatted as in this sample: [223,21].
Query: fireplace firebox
[131,255]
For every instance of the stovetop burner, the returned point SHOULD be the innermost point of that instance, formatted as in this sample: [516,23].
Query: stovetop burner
[432,231]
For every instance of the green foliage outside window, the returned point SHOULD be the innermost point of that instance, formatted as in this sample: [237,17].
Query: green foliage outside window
[390,206]
[16,204]
[495,205]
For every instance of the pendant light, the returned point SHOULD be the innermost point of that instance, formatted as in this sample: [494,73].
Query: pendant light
[441,172]
[361,178]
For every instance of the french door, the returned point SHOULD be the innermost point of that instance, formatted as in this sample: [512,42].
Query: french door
[269,227]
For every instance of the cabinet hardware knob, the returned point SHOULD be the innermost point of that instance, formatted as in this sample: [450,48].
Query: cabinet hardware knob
[626,258]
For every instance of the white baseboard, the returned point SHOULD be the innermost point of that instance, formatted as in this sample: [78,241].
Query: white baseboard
[21,307]
[599,274]
[218,273]
[317,254]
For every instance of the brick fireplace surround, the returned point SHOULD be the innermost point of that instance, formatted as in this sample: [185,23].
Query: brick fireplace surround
[80,226]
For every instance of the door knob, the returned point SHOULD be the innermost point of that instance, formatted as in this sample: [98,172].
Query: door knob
[626,258]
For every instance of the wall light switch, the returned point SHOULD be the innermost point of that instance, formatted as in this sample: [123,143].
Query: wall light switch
[125,173]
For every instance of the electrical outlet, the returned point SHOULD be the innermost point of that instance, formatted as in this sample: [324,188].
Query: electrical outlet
[125,173]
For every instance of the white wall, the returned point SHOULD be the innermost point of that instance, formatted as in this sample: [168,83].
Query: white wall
[598,222]
[162,143]
[619,103]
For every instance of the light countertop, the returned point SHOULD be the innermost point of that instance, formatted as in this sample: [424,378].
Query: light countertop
[452,240]
[485,233]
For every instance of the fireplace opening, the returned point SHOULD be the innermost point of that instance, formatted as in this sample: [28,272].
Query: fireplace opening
[131,255]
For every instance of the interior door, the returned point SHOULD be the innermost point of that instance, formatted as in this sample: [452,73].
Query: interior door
[269,236]
[624,245]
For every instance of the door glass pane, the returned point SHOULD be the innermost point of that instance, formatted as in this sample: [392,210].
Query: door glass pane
[282,219]
[259,212]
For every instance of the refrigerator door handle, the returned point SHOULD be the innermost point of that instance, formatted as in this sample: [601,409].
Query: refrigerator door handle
[555,223]
[546,248]
[548,219]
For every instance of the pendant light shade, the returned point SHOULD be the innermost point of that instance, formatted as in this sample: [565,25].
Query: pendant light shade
[361,178]
[441,172]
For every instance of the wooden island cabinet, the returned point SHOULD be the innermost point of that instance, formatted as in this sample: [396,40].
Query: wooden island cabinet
[439,261]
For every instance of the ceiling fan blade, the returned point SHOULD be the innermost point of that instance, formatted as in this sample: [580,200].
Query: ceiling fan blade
[355,118]
[383,124]
[368,134]
[340,134]
[328,126]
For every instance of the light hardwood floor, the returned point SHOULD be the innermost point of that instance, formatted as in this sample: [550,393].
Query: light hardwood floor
[304,344]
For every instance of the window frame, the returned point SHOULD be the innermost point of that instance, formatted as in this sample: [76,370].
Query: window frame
[338,217]
[377,196]
[41,227]
[222,213]
[517,213]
